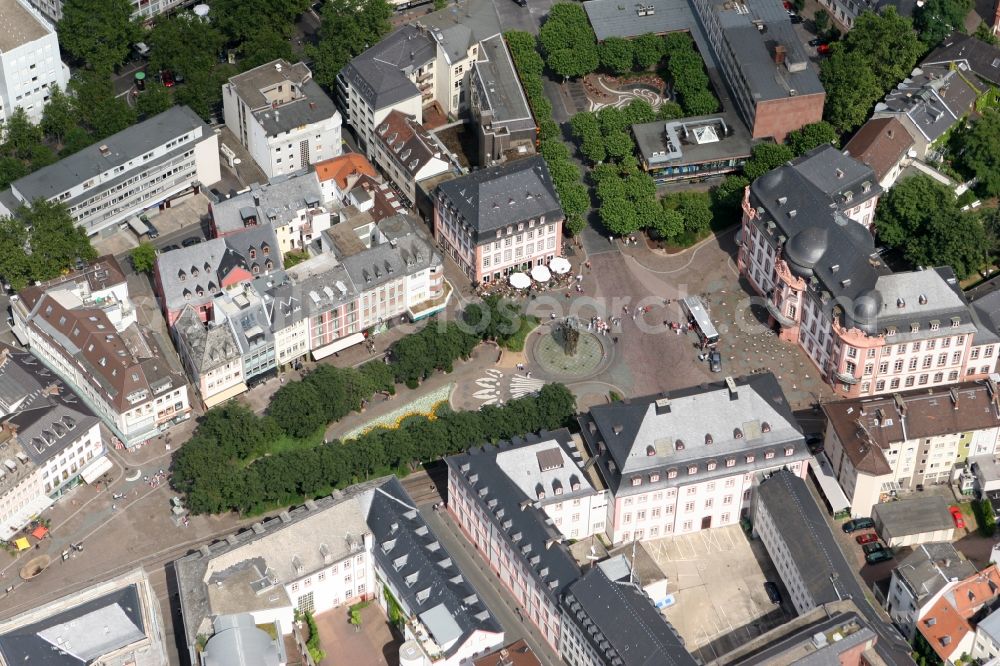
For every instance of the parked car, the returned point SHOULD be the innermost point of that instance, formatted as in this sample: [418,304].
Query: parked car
[153,231]
[773,593]
[816,41]
[170,247]
[881,555]
[823,49]
[192,240]
[79,264]
[715,361]
[956,515]
[167,78]
[796,18]
[871,537]
[858,524]
[870,548]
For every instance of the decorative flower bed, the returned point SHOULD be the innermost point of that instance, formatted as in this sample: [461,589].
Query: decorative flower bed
[424,406]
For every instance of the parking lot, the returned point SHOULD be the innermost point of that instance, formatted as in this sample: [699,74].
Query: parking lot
[717,578]
[183,219]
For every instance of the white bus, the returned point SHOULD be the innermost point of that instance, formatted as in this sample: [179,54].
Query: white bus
[699,315]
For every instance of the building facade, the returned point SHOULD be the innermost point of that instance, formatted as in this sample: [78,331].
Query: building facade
[692,148]
[879,446]
[697,475]
[500,220]
[140,167]
[282,117]
[949,624]
[29,61]
[48,438]
[499,109]
[83,327]
[805,249]
[141,9]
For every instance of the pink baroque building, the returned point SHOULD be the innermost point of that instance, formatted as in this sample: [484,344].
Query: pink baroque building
[672,471]
[805,247]
[500,220]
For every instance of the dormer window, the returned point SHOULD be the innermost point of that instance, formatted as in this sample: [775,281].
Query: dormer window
[253,253]
[730,462]
[266,249]
[256,269]
[692,469]
[679,445]
[750,458]
[765,427]
[636,481]
[768,455]
[654,477]
[789,451]
[650,450]
[708,439]
[671,473]
[711,465]
[737,433]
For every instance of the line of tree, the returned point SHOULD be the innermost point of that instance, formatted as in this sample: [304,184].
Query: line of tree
[227,465]
[565,174]
[687,75]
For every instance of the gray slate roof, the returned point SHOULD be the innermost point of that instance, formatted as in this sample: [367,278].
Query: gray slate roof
[917,515]
[238,642]
[380,73]
[311,106]
[613,18]
[213,259]
[91,629]
[421,571]
[126,145]
[933,97]
[47,421]
[634,631]
[804,201]
[458,27]
[280,199]
[493,198]
[668,432]
[968,53]
[931,566]
[499,82]
[555,568]
[209,345]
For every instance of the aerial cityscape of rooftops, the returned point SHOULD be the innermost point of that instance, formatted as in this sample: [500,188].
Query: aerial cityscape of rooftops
[499,332]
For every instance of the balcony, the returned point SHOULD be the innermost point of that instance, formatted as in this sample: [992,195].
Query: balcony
[846,378]
[430,306]
[779,316]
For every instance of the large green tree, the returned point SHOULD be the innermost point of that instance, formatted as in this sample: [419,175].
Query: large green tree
[568,40]
[648,50]
[936,19]
[153,100]
[240,19]
[812,135]
[851,89]
[920,217]
[765,157]
[887,43]
[143,257]
[980,151]
[184,44]
[346,30]
[616,55]
[58,116]
[202,91]
[15,264]
[263,46]
[96,105]
[99,33]
[56,242]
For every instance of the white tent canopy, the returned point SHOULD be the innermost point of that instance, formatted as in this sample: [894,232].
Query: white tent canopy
[519,281]
[541,274]
[559,265]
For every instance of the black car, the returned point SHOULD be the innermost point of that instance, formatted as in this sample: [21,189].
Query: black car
[715,361]
[168,248]
[153,231]
[873,547]
[880,555]
[817,41]
[858,524]
[795,18]
[773,593]
[188,242]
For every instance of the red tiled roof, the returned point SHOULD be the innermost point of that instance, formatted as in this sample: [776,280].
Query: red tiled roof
[340,168]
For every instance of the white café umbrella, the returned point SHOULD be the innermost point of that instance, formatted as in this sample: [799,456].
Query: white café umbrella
[559,265]
[541,274]
[519,281]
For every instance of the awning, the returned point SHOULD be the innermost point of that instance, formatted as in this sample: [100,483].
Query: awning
[338,345]
[94,470]
[222,396]
[40,532]
[22,544]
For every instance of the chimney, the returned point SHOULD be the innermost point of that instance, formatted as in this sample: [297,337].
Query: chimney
[779,54]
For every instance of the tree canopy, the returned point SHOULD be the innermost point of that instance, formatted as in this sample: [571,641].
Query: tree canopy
[936,19]
[183,44]
[98,33]
[568,40]
[980,151]
[765,157]
[366,23]
[143,258]
[52,245]
[921,217]
[616,55]
[687,73]
[812,135]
